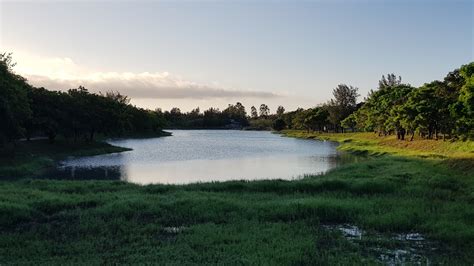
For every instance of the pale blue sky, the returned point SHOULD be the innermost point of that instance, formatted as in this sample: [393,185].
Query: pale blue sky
[298,51]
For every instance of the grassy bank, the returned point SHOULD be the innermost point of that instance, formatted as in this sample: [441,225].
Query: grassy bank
[279,222]
[32,157]
[372,144]
[271,222]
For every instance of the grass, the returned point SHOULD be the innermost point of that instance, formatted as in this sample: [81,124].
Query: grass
[31,158]
[251,222]
[373,144]
[238,222]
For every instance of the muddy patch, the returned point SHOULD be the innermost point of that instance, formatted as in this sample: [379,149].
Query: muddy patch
[390,249]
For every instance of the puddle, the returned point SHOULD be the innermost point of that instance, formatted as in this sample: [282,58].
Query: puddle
[410,237]
[173,229]
[390,249]
[351,232]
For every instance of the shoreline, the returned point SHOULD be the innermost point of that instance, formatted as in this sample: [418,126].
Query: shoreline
[388,203]
[37,155]
[370,144]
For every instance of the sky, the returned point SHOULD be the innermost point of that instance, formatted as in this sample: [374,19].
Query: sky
[187,54]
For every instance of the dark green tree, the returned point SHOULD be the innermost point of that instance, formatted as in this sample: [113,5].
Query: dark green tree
[253,112]
[264,110]
[279,124]
[280,111]
[14,105]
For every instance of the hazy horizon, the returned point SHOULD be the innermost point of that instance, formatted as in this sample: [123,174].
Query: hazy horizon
[190,54]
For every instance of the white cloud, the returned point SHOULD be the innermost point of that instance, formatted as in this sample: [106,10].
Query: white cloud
[64,73]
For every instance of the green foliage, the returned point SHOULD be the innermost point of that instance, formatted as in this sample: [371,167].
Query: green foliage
[349,122]
[253,112]
[232,116]
[328,116]
[280,111]
[260,124]
[264,110]
[14,107]
[343,104]
[279,124]
[316,118]
[463,109]
[79,114]
[440,107]
[26,111]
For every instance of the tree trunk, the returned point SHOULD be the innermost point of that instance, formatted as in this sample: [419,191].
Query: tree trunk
[91,136]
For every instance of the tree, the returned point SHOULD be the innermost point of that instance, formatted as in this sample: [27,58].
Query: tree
[264,110]
[299,119]
[289,117]
[423,107]
[350,122]
[316,118]
[117,97]
[343,104]
[253,112]
[48,113]
[463,109]
[213,118]
[279,124]
[390,81]
[195,113]
[14,104]
[381,108]
[236,112]
[280,111]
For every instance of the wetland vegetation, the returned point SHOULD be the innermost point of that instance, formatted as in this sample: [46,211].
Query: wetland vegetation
[250,222]
[410,201]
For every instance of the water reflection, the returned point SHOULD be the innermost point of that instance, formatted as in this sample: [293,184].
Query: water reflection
[86,173]
[206,155]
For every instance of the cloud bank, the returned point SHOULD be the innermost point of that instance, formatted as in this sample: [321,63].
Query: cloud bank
[64,74]
[144,85]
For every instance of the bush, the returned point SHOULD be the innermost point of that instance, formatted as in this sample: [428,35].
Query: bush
[279,124]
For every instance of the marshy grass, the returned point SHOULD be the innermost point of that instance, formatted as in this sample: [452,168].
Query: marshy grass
[239,222]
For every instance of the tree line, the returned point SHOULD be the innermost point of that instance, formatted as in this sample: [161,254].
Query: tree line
[438,108]
[232,116]
[78,115]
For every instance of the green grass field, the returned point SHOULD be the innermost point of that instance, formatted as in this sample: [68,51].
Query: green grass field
[258,222]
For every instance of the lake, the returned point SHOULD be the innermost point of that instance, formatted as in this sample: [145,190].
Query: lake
[205,155]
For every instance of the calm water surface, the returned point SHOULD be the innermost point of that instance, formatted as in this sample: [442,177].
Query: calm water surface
[205,155]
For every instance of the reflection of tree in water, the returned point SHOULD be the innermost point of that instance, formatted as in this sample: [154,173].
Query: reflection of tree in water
[332,161]
[87,173]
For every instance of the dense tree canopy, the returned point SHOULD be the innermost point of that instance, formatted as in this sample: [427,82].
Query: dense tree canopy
[77,114]
[14,107]
[437,108]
